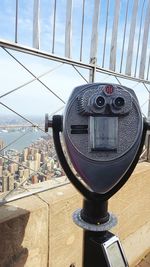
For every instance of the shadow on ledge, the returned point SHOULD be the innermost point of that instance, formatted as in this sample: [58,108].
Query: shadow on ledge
[12,230]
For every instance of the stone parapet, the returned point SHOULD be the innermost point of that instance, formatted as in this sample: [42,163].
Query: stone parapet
[37,230]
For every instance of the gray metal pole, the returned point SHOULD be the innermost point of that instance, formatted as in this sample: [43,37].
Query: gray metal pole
[148,113]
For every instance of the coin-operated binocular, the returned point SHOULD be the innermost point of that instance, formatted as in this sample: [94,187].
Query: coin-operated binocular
[103,132]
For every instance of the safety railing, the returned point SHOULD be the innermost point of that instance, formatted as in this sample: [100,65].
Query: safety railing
[111,34]
[27,154]
[48,48]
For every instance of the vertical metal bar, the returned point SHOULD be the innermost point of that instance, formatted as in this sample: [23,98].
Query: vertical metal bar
[54,27]
[145,42]
[94,36]
[139,38]
[112,62]
[148,147]
[105,36]
[36,24]
[16,23]
[148,68]
[68,29]
[131,38]
[92,73]
[124,35]
[82,28]
[148,115]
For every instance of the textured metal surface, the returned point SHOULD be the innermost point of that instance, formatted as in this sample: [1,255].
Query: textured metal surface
[99,157]
[129,126]
[93,227]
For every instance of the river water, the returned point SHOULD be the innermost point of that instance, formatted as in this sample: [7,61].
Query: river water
[23,139]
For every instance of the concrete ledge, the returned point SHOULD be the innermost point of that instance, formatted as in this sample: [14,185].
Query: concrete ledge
[38,230]
[24,233]
[65,238]
[137,244]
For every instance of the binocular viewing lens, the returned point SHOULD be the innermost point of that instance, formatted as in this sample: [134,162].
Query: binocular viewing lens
[119,102]
[100,101]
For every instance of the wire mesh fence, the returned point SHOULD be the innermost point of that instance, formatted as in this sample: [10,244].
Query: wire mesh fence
[83,41]
[111,34]
[27,154]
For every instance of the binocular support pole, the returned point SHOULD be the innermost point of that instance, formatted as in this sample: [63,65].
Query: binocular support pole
[96,221]
[94,213]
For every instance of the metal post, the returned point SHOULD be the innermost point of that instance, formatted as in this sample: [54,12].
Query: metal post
[147,141]
[148,114]
[92,73]
[94,213]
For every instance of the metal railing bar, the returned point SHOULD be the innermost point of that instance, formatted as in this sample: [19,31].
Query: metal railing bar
[145,42]
[117,80]
[54,27]
[34,75]
[82,29]
[105,36]
[148,67]
[36,24]
[94,35]
[80,74]
[16,23]
[144,103]
[148,90]
[27,83]
[139,38]
[43,54]
[56,111]
[129,60]
[114,37]
[68,61]
[124,76]
[124,35]
[29,193]
[68,29]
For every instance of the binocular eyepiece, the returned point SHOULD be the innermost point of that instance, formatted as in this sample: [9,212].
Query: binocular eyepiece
[107,100]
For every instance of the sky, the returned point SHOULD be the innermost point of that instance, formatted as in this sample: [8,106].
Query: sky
[34,98]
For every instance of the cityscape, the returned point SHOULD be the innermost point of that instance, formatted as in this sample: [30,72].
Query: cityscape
[35,163]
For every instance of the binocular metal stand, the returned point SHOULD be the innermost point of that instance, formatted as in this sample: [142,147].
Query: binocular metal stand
[98,242]
[100,247]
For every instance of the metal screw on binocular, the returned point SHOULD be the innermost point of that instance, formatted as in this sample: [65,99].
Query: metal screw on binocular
[103,132]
